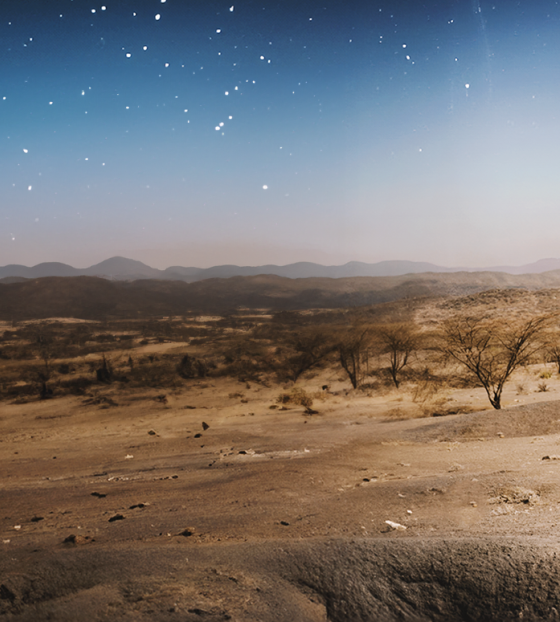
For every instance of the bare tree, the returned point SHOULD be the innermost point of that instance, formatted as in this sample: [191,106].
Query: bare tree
[491,350]
[553,352]
[399,341]
[352,349]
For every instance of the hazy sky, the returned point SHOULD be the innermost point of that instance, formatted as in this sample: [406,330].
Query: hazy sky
[199,132]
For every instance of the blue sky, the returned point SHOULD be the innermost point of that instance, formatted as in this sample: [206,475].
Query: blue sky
[200,133]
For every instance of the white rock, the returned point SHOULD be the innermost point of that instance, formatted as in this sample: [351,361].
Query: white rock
[396,526]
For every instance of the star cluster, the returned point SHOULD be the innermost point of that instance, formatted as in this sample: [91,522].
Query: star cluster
[278,130]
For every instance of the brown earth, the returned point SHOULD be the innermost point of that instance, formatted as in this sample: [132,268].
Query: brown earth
[197,506]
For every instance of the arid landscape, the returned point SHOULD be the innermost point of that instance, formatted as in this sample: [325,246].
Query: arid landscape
[235,452]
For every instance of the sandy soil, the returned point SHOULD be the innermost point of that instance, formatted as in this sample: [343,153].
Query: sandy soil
[199,506]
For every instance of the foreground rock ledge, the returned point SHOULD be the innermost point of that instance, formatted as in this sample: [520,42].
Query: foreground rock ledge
[337,580]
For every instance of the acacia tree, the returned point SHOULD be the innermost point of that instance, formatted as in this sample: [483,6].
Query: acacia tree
[492,350]
[308,349]
[399,341]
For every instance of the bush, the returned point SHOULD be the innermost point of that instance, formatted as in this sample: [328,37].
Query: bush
[189,368]
[105,372]
[298,397]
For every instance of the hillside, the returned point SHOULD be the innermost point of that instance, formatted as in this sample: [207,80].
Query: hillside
[94,298]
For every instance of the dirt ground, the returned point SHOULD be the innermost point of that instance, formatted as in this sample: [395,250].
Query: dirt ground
[201,506]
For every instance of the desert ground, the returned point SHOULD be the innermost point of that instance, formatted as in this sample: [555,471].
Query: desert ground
[215,498]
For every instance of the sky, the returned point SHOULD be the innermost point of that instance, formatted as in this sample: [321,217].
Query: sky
[201,132]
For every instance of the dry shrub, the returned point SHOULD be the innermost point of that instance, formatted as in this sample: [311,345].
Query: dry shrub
[297,396]
[154,374]
[74,386]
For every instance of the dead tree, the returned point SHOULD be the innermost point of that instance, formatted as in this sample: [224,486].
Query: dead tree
[352,349]
[399,341]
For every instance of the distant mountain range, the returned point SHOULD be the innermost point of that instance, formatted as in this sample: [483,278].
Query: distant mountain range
[122,269]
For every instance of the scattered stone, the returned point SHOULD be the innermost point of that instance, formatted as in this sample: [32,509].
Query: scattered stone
[285,523]
[205,426]
[99,495]
[551,457]
[395,526]
[116,517]
[17,527]
[152,433]
[409,511]
[198,435]
[516,495]
[366,479]
[138,505]
[243,452]
[36,519]
[500,434]
[474,504]
[128,457]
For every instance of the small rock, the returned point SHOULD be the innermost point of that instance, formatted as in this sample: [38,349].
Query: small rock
[198,435]
[17,527]
[474,504]
[186,533]
[205,426]
[99,495]
[36,519]
[455,467]
[128,457]
[395,526]
[138,505]
[551,457]
[500,434]
[285,523]
[409,511]
[152,433]
[116,517]
[73,539]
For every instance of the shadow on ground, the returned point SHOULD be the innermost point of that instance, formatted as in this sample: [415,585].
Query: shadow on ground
[335,580]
